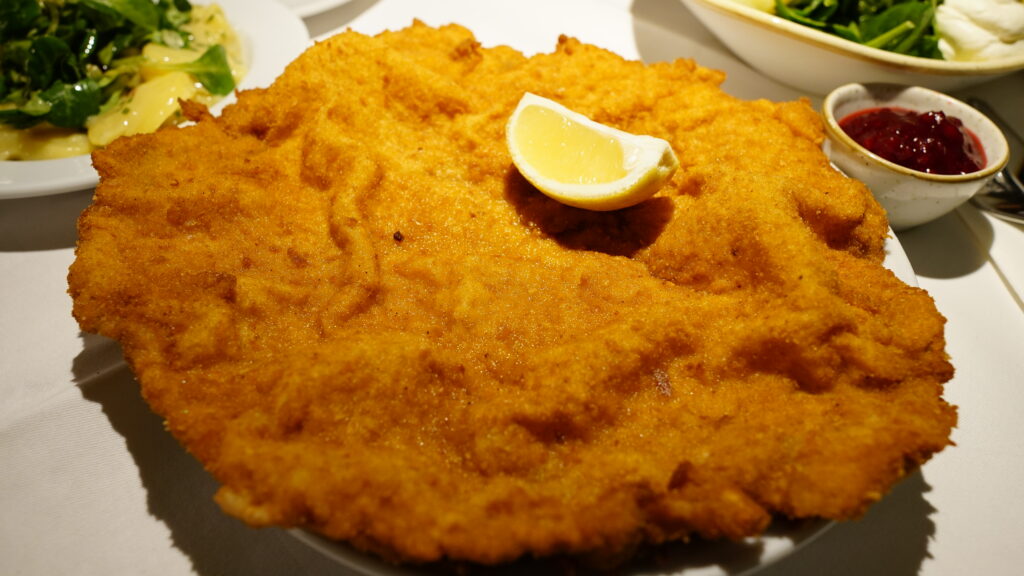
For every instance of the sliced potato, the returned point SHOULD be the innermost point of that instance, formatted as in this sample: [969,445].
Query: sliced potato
[159,54]
[147,108]
[43,142]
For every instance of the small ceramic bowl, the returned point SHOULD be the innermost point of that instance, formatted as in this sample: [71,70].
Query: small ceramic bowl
[909,197]
[815,62]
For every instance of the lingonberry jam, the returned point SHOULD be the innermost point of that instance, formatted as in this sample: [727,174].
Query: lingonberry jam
[927,142]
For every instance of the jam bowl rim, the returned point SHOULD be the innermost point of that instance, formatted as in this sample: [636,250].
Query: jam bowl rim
[883,94]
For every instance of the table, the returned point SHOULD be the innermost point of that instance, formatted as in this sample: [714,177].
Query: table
[90,483]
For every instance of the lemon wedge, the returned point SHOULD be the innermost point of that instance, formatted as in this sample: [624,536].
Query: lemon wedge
[583,163]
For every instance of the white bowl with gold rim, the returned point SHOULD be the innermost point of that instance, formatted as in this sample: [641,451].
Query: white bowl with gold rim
[816,62]
[910,197]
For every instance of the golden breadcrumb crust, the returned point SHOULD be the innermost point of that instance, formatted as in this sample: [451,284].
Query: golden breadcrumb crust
[346,302]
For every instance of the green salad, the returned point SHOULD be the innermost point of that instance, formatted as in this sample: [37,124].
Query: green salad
[66,63]
[902,26]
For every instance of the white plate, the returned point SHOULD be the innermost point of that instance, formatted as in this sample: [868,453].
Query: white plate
[693,559]
[636,36]
[305,8]
[272,36]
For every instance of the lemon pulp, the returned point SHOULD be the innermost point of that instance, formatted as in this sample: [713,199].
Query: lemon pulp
[565,150]
[582,163]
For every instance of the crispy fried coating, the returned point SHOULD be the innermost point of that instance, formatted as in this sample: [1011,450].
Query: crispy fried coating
[346,302]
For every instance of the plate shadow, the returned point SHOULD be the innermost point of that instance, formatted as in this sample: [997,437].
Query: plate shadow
[946,247]
[42,222]
[179,491]
[892,539]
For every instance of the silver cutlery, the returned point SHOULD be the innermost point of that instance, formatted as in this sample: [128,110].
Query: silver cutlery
[1003,196]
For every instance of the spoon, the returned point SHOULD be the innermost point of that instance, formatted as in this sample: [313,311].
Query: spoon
[1003,196]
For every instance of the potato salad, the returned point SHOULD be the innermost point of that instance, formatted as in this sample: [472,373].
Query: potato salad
[76,74]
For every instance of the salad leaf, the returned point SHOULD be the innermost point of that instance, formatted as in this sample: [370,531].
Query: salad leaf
[17,15]
[211,70]
[174,13]
[49,60]
[814,13]
[62,61]
[142,13]
[117,46]
[71,104]
[902,26]
[64,105]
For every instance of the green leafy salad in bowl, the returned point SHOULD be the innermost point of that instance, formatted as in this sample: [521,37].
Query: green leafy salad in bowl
[955,30]
[76,74]
[906,27]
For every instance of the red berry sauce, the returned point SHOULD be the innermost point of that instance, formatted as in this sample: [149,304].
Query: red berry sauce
[927,142]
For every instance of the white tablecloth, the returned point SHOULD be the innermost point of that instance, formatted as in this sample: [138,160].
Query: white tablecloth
[90,483]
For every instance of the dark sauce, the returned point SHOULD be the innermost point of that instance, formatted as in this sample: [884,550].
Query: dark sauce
[927,142]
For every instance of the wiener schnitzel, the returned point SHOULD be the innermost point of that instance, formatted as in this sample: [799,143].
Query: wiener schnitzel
[346,303]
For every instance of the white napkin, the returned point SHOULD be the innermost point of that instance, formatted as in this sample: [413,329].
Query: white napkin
[1004,243]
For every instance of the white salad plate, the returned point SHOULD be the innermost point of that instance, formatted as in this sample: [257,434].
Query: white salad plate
[272,36]
[306,8]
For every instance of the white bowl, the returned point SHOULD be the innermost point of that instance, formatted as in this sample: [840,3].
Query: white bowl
[816,62]
[909,197]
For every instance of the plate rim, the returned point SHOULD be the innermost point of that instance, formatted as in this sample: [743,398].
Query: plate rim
[307,8]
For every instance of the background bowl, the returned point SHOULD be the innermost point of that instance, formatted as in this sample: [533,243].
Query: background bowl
[817,62]
[909,197]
